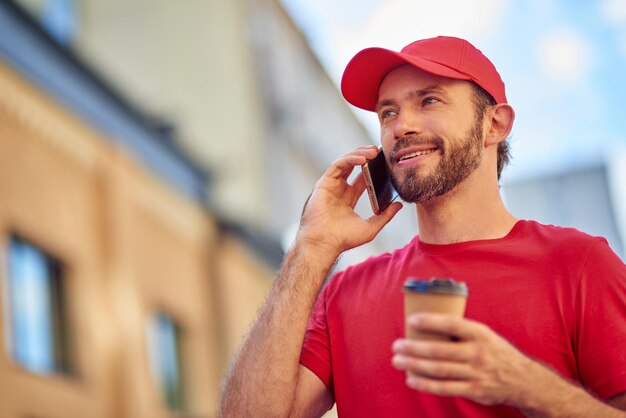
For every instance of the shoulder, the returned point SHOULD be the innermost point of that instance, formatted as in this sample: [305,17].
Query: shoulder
[559,238]
[574,250]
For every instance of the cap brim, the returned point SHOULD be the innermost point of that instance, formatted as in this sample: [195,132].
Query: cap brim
[364,73]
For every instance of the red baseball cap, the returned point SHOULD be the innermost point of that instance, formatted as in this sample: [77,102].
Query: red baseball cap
[443,56]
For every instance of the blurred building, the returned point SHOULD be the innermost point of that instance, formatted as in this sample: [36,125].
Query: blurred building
[591,198]
[122,293]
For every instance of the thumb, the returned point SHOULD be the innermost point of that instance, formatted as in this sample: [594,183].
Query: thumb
[379,221]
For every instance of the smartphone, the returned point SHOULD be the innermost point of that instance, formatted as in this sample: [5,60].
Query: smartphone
[379,188]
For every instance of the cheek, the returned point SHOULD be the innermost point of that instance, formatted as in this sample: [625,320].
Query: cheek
[443,125]
[453,124]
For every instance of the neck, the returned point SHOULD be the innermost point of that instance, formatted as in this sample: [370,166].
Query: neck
[468,212]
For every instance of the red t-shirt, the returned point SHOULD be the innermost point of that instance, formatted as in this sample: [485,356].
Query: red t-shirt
[557,294]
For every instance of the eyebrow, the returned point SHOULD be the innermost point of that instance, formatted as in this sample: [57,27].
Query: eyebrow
[435,88]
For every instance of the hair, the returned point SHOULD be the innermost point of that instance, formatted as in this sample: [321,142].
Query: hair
[482,100]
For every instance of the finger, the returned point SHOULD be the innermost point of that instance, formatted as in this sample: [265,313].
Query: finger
[462,328]
[367,150]
[357,189]
[382,219]
[359,183]
[439,387]
[343,166]
[446,370]
[434,350]
[357,156]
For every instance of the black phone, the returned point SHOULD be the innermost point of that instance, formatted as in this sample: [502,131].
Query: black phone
[379,188]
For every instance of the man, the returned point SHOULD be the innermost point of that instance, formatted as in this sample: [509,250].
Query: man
[545,327]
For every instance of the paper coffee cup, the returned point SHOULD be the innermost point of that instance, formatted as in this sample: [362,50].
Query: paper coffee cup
[436,296]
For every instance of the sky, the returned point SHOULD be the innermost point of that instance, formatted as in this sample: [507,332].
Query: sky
[563,63]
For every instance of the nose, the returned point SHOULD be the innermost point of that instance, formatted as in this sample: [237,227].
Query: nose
[406,125]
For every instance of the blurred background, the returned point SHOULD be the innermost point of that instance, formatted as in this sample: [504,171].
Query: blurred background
[155,156]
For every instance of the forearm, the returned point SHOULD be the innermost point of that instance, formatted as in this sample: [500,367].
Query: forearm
[551,396]
[263,377]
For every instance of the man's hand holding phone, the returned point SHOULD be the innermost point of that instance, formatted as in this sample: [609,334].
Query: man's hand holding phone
[329,220]
[378,181]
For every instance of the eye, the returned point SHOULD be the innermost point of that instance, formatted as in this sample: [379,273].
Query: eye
[386,113]
[430,101]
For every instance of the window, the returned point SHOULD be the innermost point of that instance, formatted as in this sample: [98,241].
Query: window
[35,321]
[164,355]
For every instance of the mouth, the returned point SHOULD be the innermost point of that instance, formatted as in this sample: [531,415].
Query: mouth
[417,154]
[412,153]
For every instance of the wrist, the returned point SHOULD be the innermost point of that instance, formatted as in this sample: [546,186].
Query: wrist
[536,399]
[548,395]
[316,247]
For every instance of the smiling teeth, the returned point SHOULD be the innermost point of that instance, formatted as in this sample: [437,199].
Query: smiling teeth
[416,154]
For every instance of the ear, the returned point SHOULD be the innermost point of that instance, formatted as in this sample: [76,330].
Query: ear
[499,123]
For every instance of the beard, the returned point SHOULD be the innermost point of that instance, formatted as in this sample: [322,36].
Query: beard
[458,161]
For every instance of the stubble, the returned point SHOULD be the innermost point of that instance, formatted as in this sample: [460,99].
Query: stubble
[459,159]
